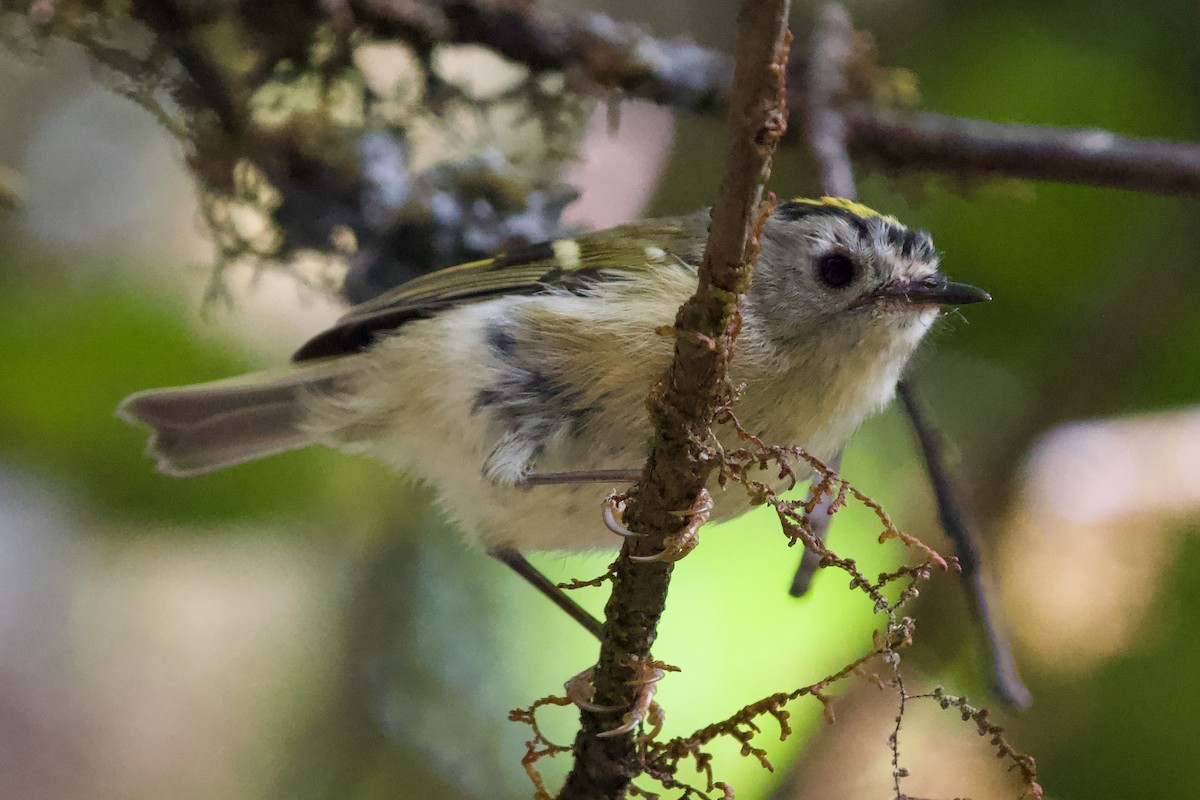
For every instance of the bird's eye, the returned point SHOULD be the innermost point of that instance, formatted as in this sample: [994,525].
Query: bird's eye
[836,270]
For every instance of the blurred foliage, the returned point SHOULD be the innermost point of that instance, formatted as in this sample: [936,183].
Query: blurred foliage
[73,350]
[1131,716]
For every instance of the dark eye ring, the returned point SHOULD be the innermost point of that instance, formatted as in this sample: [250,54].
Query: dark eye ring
[836,270]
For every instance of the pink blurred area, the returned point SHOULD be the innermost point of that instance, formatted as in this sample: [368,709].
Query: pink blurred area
[1093,533]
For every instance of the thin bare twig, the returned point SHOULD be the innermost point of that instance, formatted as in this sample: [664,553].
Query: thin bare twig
[684,403]
[1006,682]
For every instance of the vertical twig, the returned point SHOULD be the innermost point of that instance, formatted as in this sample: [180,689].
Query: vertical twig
[828,132]
[833,45]
[684,402]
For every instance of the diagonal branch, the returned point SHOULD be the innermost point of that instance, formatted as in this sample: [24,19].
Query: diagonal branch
[683,404]
[1005,679]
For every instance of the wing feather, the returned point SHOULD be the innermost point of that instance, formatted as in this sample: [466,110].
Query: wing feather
[571,264]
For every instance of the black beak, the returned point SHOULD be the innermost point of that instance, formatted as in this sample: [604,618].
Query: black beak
[928,291]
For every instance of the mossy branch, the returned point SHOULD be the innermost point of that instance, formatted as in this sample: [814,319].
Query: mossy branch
[684,403]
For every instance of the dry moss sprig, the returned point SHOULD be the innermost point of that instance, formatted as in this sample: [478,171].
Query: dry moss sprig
[661,760]
[1021,763]
[539,746]
[596,582]
[664,758]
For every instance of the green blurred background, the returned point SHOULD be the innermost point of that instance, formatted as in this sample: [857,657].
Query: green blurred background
[309,627]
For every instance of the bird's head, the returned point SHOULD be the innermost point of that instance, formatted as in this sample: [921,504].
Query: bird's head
[835,272]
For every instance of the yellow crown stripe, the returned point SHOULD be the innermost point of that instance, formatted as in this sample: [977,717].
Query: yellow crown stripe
[849,206]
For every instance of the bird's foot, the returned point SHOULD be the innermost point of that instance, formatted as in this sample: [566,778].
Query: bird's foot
[611,510]
[649,673]
[580,690]
[678,545]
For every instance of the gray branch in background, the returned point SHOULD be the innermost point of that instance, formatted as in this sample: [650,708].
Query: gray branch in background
[610,57]
[832,49]
[321,191]
[1090,157]
[598,53]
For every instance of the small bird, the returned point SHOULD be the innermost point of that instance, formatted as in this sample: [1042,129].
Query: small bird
[478,377]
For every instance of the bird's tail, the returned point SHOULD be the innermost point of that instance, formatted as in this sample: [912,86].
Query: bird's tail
[210,426]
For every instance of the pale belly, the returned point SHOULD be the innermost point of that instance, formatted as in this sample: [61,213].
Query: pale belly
[415,403]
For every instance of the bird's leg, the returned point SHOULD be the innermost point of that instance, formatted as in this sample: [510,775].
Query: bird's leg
[613,504]
[520,565]
[678,545]
[583,476]
[819,519]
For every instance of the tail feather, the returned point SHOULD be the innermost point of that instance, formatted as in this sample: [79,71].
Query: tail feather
[210,426]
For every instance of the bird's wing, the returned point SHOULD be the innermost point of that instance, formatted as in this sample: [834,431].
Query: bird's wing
[570,263]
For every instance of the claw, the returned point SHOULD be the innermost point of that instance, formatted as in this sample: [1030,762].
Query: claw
[632,721]
[660,556]
[579,691]
[644,706]
[680,544]
[614,504]
[652,712]
[702,507]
